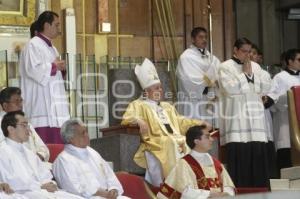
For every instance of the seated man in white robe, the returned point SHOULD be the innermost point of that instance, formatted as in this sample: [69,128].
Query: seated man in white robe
[7,193]
[20,167]
[79,169]
[11,100]
[197,175]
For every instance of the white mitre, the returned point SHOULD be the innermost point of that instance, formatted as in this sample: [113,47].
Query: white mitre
[146,74]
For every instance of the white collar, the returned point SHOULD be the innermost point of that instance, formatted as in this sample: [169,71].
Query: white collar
[203,159]
[14,144]
[198,154]
[82,153]
[150,101]
[2,113]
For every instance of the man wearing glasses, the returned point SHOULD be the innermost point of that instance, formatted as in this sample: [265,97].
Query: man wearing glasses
[242,122]
[198,174]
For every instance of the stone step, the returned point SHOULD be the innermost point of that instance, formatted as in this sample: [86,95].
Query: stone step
[295,184]
[292,173]
[279,184]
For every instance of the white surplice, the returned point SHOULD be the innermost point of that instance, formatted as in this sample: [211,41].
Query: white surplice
[45,102]
[82,171]
[192,67]
[25,172]
[281,83]
[34,143]
[241,107]
[183,179]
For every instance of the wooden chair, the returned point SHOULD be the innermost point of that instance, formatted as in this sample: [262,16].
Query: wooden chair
[134,186]
[294,119]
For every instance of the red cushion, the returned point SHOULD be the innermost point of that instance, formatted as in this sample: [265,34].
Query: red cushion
[133,185]
[55,150]
[296,92]
[244,190]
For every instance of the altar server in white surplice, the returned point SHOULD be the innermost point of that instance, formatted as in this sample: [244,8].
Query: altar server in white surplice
[80,170]
[42,84]
[197,75]
[282,82]
[243,130]
[20,167]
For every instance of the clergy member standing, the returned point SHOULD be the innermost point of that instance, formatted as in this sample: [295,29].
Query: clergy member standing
[162,129]
[282,82]
[21,168]
[42,85]
[11,100]
[197,77]
[81,170]
[243,130]
[197,175]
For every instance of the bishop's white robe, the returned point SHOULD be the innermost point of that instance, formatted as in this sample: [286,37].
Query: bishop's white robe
[25,172]
[191,69]
[82,171]
[183,180]
[282,82]
[34,143]
[241,107]
[45,102]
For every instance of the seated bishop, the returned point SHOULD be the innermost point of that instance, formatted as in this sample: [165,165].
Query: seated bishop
[162,129]
[81,170]
[20,167]
[197,175]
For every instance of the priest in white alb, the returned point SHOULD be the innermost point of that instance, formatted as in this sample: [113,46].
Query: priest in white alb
[81,170]
[197,175]
[20,167]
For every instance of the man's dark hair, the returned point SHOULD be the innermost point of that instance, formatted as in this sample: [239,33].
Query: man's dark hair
[45,17]
[10,119]
[193,133]
[7,93]
[196,31]
[291,55]
[241,41]
[33,28]
[254,46]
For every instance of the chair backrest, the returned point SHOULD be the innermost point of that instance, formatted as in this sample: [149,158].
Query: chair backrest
[134,186]
[294,120]
[296,92]
[55,150]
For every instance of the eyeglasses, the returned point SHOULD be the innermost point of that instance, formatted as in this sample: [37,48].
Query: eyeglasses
[207,136]
[24,125]
[19,100]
